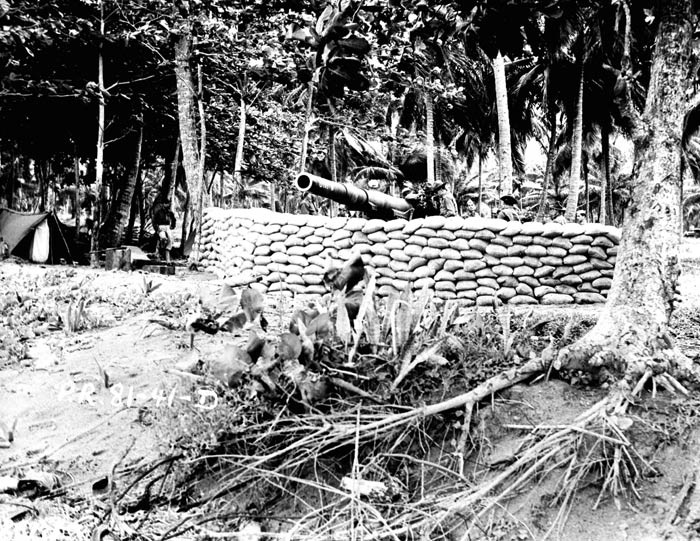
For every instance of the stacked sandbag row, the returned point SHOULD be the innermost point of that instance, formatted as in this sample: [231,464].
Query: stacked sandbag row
[471,259]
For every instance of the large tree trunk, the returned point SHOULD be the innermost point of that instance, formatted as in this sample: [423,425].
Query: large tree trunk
[307,127]
[119,213]
[240,143]
[549,167]
[633,327]
[576,151]
[134,209]
[76,200]
[603,214]
[186,103]
[167,188]
[505,155]
[429,138]
[100,204]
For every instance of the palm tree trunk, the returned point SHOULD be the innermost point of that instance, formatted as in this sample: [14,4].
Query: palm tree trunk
[481,187]
[603,215]
[576,151]
[135,201]
[100,150]
[186,103]
[429,139]
[76,200]
[240,143]
[332,205]
[549,167]
[505,155]
[587,187]
[307,127]
[114,224]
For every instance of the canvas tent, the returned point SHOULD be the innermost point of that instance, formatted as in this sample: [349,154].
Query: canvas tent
[38,237]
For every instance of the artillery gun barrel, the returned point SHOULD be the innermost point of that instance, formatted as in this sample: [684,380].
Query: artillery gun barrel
[351,196]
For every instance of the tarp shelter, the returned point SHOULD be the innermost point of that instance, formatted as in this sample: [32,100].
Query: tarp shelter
[38,237]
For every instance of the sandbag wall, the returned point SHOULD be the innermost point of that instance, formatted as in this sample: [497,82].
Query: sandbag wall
[472,259]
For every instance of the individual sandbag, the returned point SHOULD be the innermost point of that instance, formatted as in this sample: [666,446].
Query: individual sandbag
[542,241]
[312,279]
[507,281]
[385,271]
[289,229]
[575,259]
[413,250]
[485,273]
[506,293]
[478,244]
[536,250]
[529,280]
[503,270]
[438,242]
[460,244]
[584,267]
[449,253]
[434,222]
[595,251]
[300,260]
[262,250]
[552,261]
[561,242]
[523,270]
[424,272]
[294,279]
[278,238]
[532,228]
[533,262]
[487,282]
[579,249]
[453,264]
[294,241]
[556,298]
[525,240]
[565,290]
[444,285]
[417,240]
[588,298]
[430,253]
[378,261]
[590,276]
[379,249]
[522,299]
[343,244]
[407,276]
[412,226]
[587,287]
[544,270]
[466,285]
[512,229]
[601,264]
[485,235]
[511,261]
[262,260]
[398,266]
[417,262]
[338,222]
[571,230]
[571,280]
[395,244]
[297,250]
[552,229]
[446,235]
[524,289]
[400,255]
[355,224]
[562,271]
[496,250]
[340,234]
[602,242]
[278,247]
[516,250]
[323,232]
[464,234]
[425,232]
[397,224]
[453,223]
[461,274]
[582,239]
[378,237]
[608,273]
[541,291]
[358,237]
[470,254]
[469,296]
[602,283]
[422,282]
[436,264]
[483,291]
[474,265]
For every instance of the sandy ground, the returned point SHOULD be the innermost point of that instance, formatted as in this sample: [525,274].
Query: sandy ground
[68,422]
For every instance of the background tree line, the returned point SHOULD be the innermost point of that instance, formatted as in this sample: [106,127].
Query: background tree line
[116,105]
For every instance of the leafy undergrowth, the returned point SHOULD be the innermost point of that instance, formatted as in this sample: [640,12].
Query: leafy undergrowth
[36,304]
[342,422]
